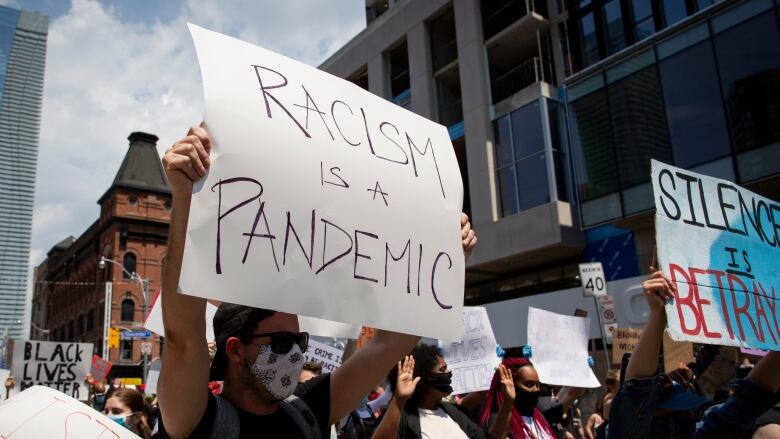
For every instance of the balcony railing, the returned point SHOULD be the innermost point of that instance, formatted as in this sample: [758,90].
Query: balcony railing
[510,12]
[529,72]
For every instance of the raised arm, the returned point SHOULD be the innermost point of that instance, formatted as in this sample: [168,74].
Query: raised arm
[184,374]
[404,388]
[644,360]
[368,366]
[500,427]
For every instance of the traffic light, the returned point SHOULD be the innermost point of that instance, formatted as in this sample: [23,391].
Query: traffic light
[113,338]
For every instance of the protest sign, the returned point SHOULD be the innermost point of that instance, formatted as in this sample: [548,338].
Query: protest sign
[322,199]
[676,352]
[719,243]
[152,377]
[42,412]
[100,368]
[624,341]
[756,352]
[326,356]
[61,366]
[559,347]
[722,369]
[473,359]
[327,328]
[154,320]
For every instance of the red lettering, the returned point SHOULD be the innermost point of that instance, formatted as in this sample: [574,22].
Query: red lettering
[674,269]
[740,310]
[718,275]
[700,302]
[761,313]
[772,305]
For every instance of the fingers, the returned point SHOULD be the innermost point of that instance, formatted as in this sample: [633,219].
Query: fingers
[202,135]
[178,162]
[464,219]
[660,284]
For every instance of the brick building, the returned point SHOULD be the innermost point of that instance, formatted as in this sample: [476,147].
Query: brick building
[132,230]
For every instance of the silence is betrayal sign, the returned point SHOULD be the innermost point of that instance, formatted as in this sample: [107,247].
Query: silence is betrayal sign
[322,199]
[719,243]
[61,366]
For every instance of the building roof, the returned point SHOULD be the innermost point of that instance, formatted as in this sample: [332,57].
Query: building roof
[141,167]
[65,243]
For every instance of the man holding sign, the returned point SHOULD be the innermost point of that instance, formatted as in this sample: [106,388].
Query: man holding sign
[259,352]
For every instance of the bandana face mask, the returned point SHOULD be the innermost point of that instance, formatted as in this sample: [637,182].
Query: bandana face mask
[278,373]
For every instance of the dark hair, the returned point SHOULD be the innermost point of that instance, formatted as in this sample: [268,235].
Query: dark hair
[315,368]
[425,359]
[134,400]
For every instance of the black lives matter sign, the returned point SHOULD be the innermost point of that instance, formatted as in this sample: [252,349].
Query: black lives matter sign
[61,366]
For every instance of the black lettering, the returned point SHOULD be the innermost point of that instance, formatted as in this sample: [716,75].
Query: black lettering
[689,179]
[310,256]
[705,209]
[221,215]
[757,211]
[743,209]
[675,216]
[731,251]
[315,109]
[400,148]
[724,206]
[58,354]
[413,147]
[419,269]
[748,268]
[407,248]
[378,189]
[267,234]
[27,350]
[335,122]
[368,134]
[71,372]
[775,208]
[433,278]
[361,255]
[326,223]
[264,89]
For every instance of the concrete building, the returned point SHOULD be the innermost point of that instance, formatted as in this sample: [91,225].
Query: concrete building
[22,57]
[132,231]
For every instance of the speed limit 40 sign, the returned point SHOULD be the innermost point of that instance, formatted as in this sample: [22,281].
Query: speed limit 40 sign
[592,277]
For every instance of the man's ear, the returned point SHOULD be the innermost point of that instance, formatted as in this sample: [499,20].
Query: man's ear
[234,350]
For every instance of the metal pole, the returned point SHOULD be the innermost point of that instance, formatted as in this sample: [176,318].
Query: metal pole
[603,334]
[144,354]
[107,319]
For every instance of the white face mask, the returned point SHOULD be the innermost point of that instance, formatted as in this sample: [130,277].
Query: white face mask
[278,373]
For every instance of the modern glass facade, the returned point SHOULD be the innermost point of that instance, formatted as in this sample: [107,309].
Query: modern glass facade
[706,98]
[22,57]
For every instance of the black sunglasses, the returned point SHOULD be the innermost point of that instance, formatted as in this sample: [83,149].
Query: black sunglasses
[281,342]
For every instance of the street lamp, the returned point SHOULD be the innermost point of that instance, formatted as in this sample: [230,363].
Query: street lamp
[144,289]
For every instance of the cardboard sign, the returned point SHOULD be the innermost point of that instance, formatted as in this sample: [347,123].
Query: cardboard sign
[61,366]
[559,346]
[472,360]
[154,320]
[42,412]
[593,281]
[720,244]
[322,199]
[100,368]
[327,357]
[676,352]
[624,341]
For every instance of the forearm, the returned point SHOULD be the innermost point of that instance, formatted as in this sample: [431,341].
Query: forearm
[388,428]
[765,372]
[644,359]
[500,427]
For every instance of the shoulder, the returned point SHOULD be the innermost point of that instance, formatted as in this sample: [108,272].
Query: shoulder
[768,431]
[205,425]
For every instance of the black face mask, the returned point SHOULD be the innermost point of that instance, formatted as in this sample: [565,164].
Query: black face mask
[525,402]
[442,382]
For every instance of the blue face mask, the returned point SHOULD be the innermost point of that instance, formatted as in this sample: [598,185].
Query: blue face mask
[119,419]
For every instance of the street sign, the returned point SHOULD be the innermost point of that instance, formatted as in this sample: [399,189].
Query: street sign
[593,281]
[607,309]
[129,335]
[146,348]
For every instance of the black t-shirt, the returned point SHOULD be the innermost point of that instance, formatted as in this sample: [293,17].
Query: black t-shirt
[315,393]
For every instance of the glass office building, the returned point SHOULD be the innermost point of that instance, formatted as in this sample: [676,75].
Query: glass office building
[22,58]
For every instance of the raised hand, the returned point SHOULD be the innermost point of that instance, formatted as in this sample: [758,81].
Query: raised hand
[658,289]
[469,239]
[507,382]
[187,160]
[405,383]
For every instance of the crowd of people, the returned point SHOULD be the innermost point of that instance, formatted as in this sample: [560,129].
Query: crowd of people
[253,381]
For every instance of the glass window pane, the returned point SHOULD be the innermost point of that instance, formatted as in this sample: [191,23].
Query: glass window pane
[674,11]
[644,29]
[748,58]
[590,47]
[694,108]
[594,154]
[702,4]
[616,38]
[503,141]
[642,9]
[639,125]
[507,187]
[532,181]
[527,136]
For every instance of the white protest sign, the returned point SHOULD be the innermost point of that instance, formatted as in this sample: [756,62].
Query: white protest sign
[473,359]
[61,366]
[719,243]
[42,412]
[327,328]
[322,199]
[593,281]
[559,346]
[326,356]
[152,377]
[154,320]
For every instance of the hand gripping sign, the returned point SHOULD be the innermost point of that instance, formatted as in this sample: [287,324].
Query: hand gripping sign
[719,244]
[322,199]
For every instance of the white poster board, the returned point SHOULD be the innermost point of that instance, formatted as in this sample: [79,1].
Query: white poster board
[42,412]
[473,359]
[559,347]
[58,365]
[593,281]
[326,356]
[154,321]
[719,243]
[327,328]
[322,199]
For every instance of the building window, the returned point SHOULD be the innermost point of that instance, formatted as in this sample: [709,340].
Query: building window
[674,11]
[90,320]
[128,263]
[127,311]
[521,159]
[644,26]
[588,39]
[132,200]
[126,349]
[613,19]
[596,168]
[168,205]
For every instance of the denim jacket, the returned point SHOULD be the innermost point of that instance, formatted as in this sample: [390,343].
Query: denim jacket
[631,415]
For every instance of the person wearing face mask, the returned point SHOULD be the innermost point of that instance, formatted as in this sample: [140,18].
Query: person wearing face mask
[126,408]
[417,411]
[259,353]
